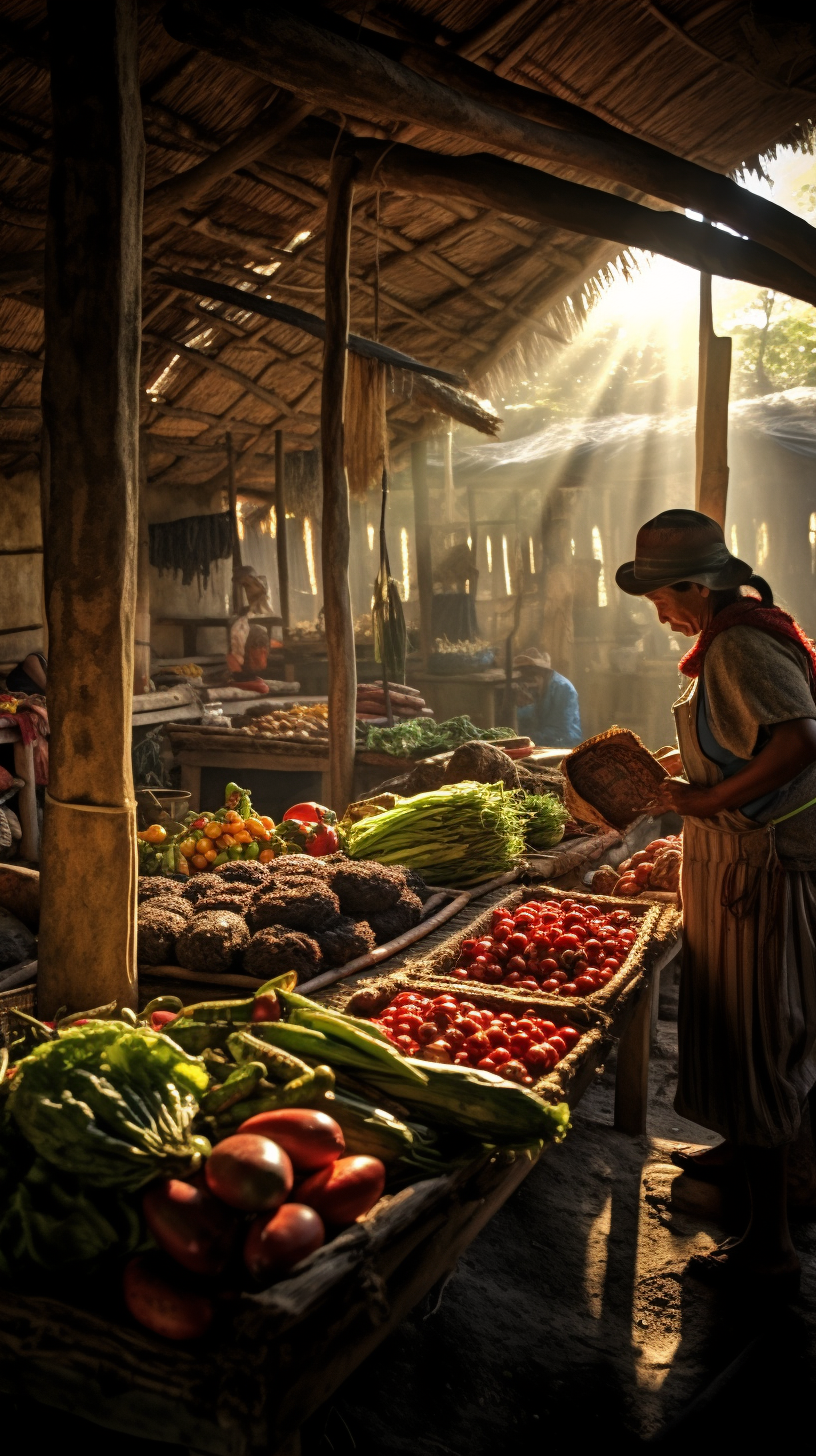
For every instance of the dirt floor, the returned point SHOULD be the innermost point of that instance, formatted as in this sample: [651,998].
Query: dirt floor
[569,1319]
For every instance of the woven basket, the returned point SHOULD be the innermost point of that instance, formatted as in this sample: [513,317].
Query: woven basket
[19,998]
[611,778]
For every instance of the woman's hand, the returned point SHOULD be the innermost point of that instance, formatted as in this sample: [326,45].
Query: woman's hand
[686,799]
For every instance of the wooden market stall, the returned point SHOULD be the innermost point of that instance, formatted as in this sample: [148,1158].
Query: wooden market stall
[180,190]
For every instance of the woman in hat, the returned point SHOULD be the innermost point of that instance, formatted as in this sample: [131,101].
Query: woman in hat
[746,730]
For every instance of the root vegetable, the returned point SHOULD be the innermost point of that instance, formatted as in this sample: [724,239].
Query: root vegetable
[311,1140]
[189,1224]
[275,1244]
[345,1190]
[250,1173]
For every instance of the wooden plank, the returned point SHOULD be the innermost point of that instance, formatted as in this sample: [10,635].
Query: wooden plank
[90,405]
[336,528]
[273,762]
[632,1076]
[27,801]
[713,383]
[281,543]
[166,715]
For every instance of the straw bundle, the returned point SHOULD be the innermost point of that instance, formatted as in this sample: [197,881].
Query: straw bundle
[366,446]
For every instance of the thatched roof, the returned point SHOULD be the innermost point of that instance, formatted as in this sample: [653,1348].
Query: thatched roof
[459,287]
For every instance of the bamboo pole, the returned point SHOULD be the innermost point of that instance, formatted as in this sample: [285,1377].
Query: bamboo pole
[280,530]
[90,404]
[336,529]
[713,381]
[422,528]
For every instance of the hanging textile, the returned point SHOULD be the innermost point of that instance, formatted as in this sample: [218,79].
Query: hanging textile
[191,546]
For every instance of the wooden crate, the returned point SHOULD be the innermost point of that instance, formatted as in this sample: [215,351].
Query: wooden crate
[276,1356]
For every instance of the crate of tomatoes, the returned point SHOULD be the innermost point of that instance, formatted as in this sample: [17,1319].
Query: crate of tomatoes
[569,946]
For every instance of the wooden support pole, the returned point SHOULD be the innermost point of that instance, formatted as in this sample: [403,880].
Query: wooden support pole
[93,307]
[280,529]
[713,382]
[141,619]
[422,528]
[232,488]
[632,1075]
[336,528]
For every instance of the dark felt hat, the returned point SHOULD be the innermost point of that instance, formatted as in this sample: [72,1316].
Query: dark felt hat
[681,546]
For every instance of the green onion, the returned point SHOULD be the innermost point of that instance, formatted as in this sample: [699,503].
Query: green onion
[456,836]
[545,817]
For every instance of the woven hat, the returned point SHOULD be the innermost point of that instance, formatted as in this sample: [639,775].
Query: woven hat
[681,546]
[533,658]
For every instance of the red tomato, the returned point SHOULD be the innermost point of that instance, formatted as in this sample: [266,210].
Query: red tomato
[478,1044]
[310,1139]
[566,942]
[593,950]
[611,963]
[158,1019]
[486,1064]
[567,990]
[311,812]
[549,986]
[275,1244]
[558,1043]
[520,1044]
[453,1038]
[514,1072]
[190,1224]
[517,943]
[461,1059]
[467,1025]
[517,963]
[497,1036]
[460,973]
[604,976]
[266,1008]
[468,947]
[584,985]
[569,1034]
[540,1059]
[325,841]
[346,1190]
[157,1296]
[512,979]
[499,1056]
[428,1032]
[249,1172]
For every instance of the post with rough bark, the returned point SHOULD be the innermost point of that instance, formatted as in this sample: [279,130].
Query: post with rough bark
[280,529]
[87,948]
[237,591]
[336,529]
[422,528]
[141,621]
[713,383]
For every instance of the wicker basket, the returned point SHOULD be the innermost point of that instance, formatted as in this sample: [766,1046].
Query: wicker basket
[611,778]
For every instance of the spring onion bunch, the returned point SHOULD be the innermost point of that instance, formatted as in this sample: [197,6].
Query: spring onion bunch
[545,817]
[453,836]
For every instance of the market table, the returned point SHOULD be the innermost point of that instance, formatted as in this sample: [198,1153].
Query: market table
[229,749]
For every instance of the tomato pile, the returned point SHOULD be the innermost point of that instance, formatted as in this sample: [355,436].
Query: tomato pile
[444,1029]
[559,946]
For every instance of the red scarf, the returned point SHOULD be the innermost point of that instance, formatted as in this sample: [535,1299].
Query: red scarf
[747,613]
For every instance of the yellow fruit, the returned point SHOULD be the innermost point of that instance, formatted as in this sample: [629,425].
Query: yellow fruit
[210,855]
[241,836]
[232,817]
[265,856]
[255,826]
[199,861]
[267,822]
[213,829]
[154,834]
[203,845]
[187,848]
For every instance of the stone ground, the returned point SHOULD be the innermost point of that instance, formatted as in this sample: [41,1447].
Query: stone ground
[568,1319]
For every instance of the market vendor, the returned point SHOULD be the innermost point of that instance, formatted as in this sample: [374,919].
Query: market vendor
[29,676]
[548,709]
[746,729]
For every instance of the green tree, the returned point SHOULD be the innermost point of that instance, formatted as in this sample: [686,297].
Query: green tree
[774,346]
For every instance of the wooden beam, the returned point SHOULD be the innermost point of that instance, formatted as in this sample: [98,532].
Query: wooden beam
[299,318]
[206,361]
[273,124]
[281,542]
[713,382]
[336,530]
[422,534]
[141,618]
[332,69]
[21,358]
[490,181]
[87,948]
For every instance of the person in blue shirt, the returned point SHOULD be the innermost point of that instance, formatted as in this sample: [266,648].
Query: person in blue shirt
[548,710]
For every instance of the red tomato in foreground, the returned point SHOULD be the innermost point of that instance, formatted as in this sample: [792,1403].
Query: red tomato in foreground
[249,1172]
[311,1140]
[275,1244]
[156,1296]
[310,812]
[344,1191]
[190,1224]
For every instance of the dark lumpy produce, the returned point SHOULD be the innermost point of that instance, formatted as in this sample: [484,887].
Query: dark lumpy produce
[159,928]
[296,866]
[236,898]
[213,941]
[173,904]
[481,763]
[365,889]
[415,882]
[243,872]
[397,919]
[345,940]
[300,904]
[196,889]
[153,886]
[275,950]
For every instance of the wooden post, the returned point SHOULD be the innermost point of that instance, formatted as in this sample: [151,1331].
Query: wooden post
[557,626]
[422,528]
[280,529]
[713,381]
[141,621]
[87,949]
[336,529]
[237,593]
[632,1074]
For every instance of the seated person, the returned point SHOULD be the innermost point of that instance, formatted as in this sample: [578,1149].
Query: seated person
[29,676]
[548,709]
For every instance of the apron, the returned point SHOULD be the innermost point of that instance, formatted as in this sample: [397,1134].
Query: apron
[747,1013]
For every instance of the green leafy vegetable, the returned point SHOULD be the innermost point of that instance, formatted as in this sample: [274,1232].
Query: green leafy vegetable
[419,737]
[545,817]
[453,836]
[111,1104]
